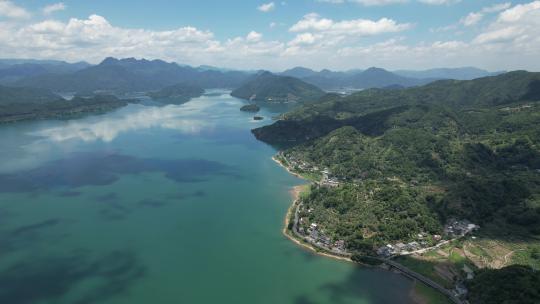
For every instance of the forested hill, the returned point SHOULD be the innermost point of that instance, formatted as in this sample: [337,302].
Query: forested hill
[410,159]
[268,87]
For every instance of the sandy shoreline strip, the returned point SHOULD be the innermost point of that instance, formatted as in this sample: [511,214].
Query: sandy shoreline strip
[287,168]
[295,195]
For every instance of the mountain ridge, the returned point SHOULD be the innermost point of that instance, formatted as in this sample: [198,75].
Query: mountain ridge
[133,75]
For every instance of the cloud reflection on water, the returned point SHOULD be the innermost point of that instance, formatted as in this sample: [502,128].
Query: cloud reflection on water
[136,117]
[51,140]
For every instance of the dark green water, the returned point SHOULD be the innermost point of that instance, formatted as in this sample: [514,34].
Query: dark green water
[147,204]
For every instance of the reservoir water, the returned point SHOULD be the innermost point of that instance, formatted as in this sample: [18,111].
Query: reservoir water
[160,204]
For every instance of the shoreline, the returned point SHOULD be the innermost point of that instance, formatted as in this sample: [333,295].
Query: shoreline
[288,170]
[295,193]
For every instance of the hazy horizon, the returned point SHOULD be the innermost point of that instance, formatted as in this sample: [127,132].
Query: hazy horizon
[252,70]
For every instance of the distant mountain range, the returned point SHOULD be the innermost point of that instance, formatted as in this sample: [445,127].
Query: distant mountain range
[380,78]
[370,78]
[12,70]
[466,73]
[268,87]
[132,75]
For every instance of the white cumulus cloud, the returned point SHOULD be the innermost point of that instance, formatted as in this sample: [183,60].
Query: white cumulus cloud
[254,36]
[10,10]
[49,9]
[389,2]
[475,17]
[360,27]
[472,19]
[267,7]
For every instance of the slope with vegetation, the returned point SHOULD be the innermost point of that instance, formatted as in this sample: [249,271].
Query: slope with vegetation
[408,161]
[512,284]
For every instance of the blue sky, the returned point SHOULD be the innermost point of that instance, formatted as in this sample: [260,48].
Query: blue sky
[335,34]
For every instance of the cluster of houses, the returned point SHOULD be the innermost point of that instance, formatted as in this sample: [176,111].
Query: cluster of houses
[316,236]
[400,248]
[327,179]
[456,228]
[297,164]
[452,230]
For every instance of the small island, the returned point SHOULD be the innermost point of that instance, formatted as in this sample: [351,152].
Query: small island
[269,88]
[250,108]
[177,94]
[258,118]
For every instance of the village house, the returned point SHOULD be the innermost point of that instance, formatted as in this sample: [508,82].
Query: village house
[386,251]
[460,290]
[456,228]
[412,246]
[339,245]
[468,271]
[328,180]
[399,247]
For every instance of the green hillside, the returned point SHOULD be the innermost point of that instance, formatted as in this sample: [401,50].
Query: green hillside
[512,284]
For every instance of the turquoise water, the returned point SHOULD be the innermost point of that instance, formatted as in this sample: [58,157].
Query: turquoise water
[160,204]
